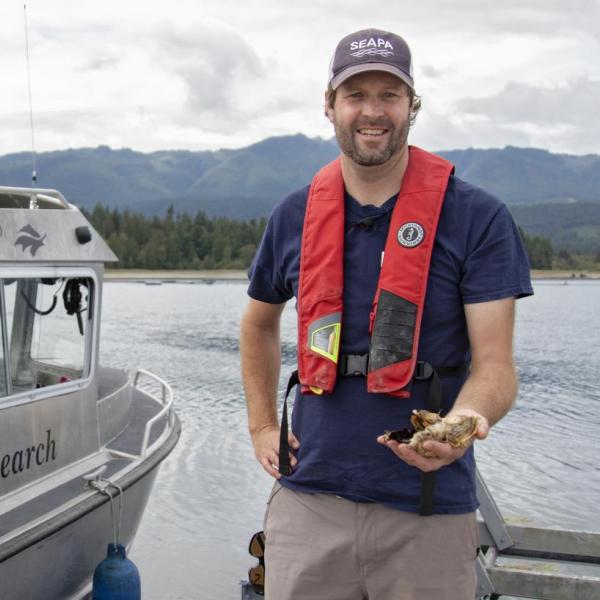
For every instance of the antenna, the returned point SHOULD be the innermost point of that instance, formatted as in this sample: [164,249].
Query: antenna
[33,171]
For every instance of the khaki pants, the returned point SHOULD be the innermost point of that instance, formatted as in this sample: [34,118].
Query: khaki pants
[322,547]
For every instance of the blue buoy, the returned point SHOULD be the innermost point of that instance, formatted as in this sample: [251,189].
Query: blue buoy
[116,577]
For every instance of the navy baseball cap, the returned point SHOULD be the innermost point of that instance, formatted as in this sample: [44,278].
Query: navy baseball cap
[371,50]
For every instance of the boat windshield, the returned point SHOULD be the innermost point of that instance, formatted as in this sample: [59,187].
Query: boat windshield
[46,323]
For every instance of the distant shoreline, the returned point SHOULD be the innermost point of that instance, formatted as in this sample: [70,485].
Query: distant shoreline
[141,275]
[562,274]
[174,275]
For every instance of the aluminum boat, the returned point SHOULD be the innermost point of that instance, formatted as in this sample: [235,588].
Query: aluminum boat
[73,435]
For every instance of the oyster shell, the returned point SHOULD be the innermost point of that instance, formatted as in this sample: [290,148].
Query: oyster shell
[457,430]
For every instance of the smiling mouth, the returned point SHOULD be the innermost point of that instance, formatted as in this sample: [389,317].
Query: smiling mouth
[372,131]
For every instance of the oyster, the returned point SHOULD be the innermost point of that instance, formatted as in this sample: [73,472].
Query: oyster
[457,430]
[421,419]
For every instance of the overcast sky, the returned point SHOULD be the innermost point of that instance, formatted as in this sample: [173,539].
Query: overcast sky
[209,74]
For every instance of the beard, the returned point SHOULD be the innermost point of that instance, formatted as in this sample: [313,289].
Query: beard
[346,138]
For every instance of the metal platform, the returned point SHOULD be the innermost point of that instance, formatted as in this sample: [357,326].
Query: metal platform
[532,562]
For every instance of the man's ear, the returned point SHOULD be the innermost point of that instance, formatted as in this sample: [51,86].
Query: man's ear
[327,109]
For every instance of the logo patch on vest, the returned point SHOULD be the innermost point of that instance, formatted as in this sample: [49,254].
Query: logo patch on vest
[411,235]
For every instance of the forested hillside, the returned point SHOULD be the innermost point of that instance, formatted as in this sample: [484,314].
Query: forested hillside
[550,195]
[245,183]
[574,226]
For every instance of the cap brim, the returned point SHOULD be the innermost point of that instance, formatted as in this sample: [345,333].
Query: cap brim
[354,70]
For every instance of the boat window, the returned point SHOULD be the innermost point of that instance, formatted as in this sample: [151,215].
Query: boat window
[46,325]
[29,199]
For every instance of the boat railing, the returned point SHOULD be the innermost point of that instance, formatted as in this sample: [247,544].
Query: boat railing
[166,402]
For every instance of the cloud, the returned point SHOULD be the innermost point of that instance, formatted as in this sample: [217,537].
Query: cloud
[561,118]
[151,75]
[574,103]
[99,63]
[430,71]
[449,131]
[67,33]
[213,64]
[229,87]
[67,127]
[547,18]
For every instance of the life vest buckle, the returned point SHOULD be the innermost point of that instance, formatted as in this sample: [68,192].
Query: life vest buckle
[352,365]
[423,370]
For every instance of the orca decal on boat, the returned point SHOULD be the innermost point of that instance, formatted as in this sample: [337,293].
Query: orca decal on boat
[31,239]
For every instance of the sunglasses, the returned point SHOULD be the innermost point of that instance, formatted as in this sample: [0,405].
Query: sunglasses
[256,575]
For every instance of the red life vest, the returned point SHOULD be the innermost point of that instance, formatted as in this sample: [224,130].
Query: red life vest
[398,303]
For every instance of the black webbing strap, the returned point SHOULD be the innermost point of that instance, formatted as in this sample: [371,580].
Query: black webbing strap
[352,365]
[285,468]
[433,403]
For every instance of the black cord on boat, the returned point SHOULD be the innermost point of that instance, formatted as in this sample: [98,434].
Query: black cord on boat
[36,310]
[54,299]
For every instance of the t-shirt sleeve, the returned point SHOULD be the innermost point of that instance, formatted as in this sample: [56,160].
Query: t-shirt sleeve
[266,280]
[496,265]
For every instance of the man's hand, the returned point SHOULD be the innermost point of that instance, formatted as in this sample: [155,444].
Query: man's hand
[266,449]
[489,391]
[443,453]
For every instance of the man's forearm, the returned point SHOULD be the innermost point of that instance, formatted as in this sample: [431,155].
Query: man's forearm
[261,359]
[490,391]
[491,388]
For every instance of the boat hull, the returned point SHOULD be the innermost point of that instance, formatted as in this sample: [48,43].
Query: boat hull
[56,560]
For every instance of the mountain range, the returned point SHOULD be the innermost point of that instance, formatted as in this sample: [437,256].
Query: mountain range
[543,189]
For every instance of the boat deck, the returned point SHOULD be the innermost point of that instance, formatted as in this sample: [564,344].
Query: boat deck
[131,439]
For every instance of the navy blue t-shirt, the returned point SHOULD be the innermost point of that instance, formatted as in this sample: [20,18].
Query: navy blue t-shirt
[478,257]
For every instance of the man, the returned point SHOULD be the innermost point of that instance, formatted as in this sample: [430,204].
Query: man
[405,279]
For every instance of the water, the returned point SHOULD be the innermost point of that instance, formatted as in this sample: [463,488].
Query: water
[540,461]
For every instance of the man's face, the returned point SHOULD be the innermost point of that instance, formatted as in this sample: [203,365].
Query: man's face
[371,117]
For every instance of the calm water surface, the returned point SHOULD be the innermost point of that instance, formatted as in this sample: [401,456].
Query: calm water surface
[540,461]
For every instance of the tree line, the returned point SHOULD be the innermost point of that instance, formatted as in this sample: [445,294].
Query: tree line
[177,241]
[180,241]
[539,249]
